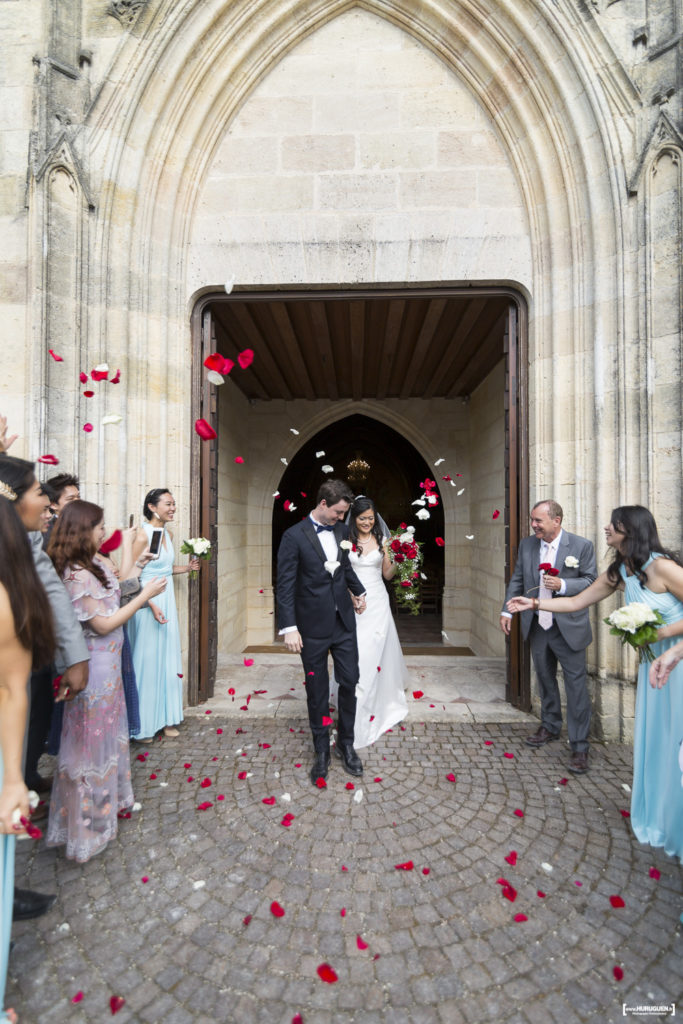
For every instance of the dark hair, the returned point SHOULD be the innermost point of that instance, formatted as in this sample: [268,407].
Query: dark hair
[332,491]
[29,603]
[70,542]
[641,540]
[152,498]
[60,482]
[554,510]
[17,473]
[360,505]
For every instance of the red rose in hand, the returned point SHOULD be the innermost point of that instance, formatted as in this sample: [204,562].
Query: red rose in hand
[544,567]
[395,544]
[399,558]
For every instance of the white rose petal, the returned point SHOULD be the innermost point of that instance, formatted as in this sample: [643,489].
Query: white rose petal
[423,576]
[102,368]
[422,513]
[276,775]
[469,536]
[327,468]
[439,461]
[137,806]
[214,377]
[432,499]
[199,884]
[276,494]
[626,787]
[461,491]
[547,867]
[164,784]
[283,461]
[286,798]
[293,430]
[229,284]
[358,796]
[452,483]
[64,928]
[419,501]
[112,418]
[319,455]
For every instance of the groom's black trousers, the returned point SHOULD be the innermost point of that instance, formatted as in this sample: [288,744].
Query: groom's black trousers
[344,650]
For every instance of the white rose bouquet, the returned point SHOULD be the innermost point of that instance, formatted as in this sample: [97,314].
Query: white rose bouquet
[636,624]
[196,547]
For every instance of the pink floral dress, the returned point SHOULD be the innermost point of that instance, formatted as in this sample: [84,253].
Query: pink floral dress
[92,779]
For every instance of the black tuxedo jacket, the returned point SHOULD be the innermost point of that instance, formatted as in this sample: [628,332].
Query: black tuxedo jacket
[308,596]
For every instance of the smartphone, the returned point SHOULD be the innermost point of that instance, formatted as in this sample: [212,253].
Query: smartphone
[155,543]
[131,517]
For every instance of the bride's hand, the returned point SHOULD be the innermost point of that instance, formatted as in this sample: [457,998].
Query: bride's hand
[520,604]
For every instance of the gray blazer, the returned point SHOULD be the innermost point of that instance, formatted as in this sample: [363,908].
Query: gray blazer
[575,627]
[71,645]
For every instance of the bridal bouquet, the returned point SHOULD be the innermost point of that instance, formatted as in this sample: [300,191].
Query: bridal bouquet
[636,624]
[404,552]
[196,547]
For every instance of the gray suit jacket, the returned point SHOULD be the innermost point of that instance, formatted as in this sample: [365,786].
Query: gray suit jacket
[71,645]
[575,627]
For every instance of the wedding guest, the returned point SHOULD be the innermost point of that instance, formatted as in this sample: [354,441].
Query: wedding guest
[92,779]
[648,574]
[155,641]
[26,635]
[71,653]
[61,489]
[555,562]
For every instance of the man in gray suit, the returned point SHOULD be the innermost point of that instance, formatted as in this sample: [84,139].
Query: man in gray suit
[556,562]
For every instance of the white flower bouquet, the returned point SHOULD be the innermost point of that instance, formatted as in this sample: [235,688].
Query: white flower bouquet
[404,551]
[196,547]
[636,624]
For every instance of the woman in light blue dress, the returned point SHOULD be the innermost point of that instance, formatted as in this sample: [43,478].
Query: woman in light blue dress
[26,636]
[154,632]
[649,574]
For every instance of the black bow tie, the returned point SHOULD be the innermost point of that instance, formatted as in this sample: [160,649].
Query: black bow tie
[319,528]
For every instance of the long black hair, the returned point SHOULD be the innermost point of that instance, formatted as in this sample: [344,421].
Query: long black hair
[18,474]
[641,540]
[152,498]
[360,505]
[29,603]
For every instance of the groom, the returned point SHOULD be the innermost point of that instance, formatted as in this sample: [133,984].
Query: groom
[316,616]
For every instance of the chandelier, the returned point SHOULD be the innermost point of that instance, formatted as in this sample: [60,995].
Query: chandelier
[358,470]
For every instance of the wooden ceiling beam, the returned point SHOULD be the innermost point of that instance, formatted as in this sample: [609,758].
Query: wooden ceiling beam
[390,341]
[435,311]
[290,345]
[489,352]
[321,337]
[233,340]
[270,372]
[357,344]
[452,350]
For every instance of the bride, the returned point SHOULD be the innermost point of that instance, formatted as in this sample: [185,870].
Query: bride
[380,697]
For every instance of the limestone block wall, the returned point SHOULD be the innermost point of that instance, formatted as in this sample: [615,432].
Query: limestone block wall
[235,587]
[487,549]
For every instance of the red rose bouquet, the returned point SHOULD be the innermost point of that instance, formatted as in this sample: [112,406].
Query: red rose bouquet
[404,551]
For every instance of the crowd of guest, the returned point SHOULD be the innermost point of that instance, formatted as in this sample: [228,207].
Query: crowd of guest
[67,674]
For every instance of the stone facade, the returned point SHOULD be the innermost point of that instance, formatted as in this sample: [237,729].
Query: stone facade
[152,149]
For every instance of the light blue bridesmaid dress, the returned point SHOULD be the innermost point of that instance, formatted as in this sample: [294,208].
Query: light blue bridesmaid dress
[657,796]
[7,845]
[156,649]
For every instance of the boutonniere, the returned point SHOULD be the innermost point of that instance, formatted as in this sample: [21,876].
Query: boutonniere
[571,562]
[332,567]
[346,545]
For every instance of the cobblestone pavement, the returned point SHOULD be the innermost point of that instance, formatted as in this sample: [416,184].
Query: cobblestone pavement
[440,943]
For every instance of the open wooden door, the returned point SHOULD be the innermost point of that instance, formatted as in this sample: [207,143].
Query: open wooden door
[518,686]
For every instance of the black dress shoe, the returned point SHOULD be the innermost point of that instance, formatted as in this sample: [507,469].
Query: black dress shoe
[28,904]
[320,766]
[542,736]
[349,758]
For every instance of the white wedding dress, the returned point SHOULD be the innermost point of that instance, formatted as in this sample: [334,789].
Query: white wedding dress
[380,696]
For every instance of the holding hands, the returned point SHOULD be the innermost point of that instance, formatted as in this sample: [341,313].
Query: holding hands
[661,667]
[359,604]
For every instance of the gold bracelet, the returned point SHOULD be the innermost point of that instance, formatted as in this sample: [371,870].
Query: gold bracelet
[537,604]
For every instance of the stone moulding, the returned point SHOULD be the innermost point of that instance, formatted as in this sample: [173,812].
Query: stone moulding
[663,134]
[126,11]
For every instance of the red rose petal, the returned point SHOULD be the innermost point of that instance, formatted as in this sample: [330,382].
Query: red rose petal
[618,973]
[88,428]
[521,917]
[216,362]
[625,814]
[451,777]
[77,998]
[378,778]
[361,943]
[83,377]
[231,691]
[48,460]
[496,514]
[205,783]
[417,694]
[239,460]
[220,796]
[508,755]
[343,912]
[320,783]
[112,543]
[144,879]
[541,895]
[123,815]
[99,374]
[245,358]
[349,785]
[219,732]
[246,920]
[440,541]
[205,806]
[518,813]
[248,662]
[425,871]
[270,800]
[406,866]
[617,901]
[208,712]
[655,873]
[57,359]
[116,1003]
[116,379]
[510,893]
[327,720]
[344,867]
[276,910]
[579,884]
[205,430]
[88,394]
[326,973]
[563,782]
[488,743]
[297,1019]
[511,857]
[188,764]
[190,778]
